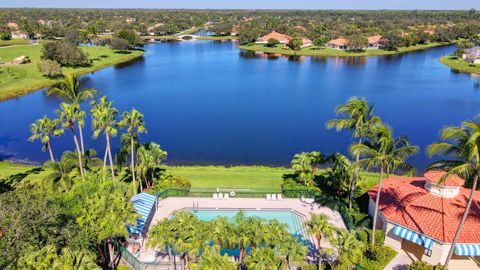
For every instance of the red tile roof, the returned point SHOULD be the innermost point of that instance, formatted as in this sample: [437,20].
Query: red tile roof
[405,201]
[339,42]
[374,39]
[277,36]
[435,176]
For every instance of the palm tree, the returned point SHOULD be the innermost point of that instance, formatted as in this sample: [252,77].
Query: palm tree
[302,164]
[320,227]
[292,251]
[68,114]
[42,130]
[149,157]
[59,177]
[387,154]
[263,259]
[358,117]
[316,159]
[104,120]
[349,248]
[212,260]
[77,259]
[70,90]
[462,143]
[162,237]
[220,228]
[340,175]
[133,121]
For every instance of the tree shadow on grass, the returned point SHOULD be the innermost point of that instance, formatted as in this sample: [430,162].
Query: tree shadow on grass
[11,181]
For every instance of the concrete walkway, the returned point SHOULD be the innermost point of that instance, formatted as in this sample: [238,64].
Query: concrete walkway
[399,262]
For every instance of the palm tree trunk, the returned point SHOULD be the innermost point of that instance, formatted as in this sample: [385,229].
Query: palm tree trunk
[462,221]
[132,160]
[172,262]
[49,146]
[355,177]
[80,133]
[319,259]
[79,154]
[375,215]
[110,155]
[105,158]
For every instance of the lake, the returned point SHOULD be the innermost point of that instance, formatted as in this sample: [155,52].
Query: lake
[207,102]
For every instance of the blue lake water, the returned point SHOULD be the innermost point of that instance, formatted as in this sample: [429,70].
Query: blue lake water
[207,102]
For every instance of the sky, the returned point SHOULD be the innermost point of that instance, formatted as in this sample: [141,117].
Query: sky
[249,4]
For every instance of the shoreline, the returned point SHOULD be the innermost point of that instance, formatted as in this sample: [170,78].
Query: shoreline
[460,65]
[328,52]
[48,82]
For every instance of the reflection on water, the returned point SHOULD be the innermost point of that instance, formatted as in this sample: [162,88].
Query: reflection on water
[210,103]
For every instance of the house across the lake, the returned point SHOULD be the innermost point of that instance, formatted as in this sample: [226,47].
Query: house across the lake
[339,44]
[472,55]
[282,39]
[374,42]
[420,217]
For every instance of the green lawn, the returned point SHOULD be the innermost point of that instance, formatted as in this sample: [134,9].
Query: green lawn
[460,64]
[216,37]
[22,79]
[15,41]
[323,51]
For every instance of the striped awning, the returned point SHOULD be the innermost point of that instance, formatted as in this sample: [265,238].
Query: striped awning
[467,249]
[143,204]
[413,237]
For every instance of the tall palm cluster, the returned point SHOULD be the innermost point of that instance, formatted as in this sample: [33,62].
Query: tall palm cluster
[106,122]
[260,244]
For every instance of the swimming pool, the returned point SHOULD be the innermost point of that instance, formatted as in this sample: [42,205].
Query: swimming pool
[294,221]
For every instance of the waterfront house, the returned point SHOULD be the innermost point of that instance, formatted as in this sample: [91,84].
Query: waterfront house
[338,44]
[374,42]
[472,55]
[282,39]
[15,31]
[420,217]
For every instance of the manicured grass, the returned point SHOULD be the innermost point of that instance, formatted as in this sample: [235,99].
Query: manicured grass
[22,79]
[15,41]
[232,177]
[323,51]
[460,64]
[216,37]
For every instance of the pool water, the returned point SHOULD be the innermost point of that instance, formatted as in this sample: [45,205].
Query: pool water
[294,221]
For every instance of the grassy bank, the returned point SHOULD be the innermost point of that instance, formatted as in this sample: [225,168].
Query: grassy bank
[12,42]
[324,51]
[22,79]
[216,37]
[460,65]
[199,176]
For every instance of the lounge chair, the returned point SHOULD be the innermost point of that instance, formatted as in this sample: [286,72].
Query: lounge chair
[279,197]
[269,197]
[226,196]
[215,196]
[220,196]
[274,197]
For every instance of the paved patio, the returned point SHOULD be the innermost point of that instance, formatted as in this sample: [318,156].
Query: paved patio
[166,207]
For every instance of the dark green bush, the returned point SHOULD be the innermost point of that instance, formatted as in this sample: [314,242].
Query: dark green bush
[419,265]
[64,53]
[366,235]
[377,257]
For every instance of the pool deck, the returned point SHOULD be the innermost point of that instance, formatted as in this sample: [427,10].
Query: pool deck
[166,207]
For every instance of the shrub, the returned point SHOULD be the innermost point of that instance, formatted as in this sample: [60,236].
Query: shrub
[295,43]
[168,180]
[419,265]
[64,53]
[366,235]
[5,33]
[377,257]
[320,41]
[119,44]
[50,68]
[133,39]
[357,42]
[272,42]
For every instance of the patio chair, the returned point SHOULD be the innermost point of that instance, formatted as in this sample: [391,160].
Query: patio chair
[274,197]
[226,196]
[215,196]
[269,197]
[220,196]
[279,197]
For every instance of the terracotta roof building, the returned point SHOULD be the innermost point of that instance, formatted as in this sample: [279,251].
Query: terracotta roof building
[374,42]
[420,216]
[338,44]
[283,39]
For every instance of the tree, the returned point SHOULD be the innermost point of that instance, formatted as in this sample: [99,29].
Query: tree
[135,125]
[70,90]
[161,236]
[340,176]
[212,260]
[295,43]
[272,43]
[50,68]
[292,251]
[302,164]
[119,44]
[149,157]
[320,41]
[357,42]
[42,130]
[349,248]
[64,53]
[462,143]
[5,33]
[387,154]
[69,115]
[358,117]
[104,120]
[59,178]
[262,259]
[320,227]
[131,37]
[248,32]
